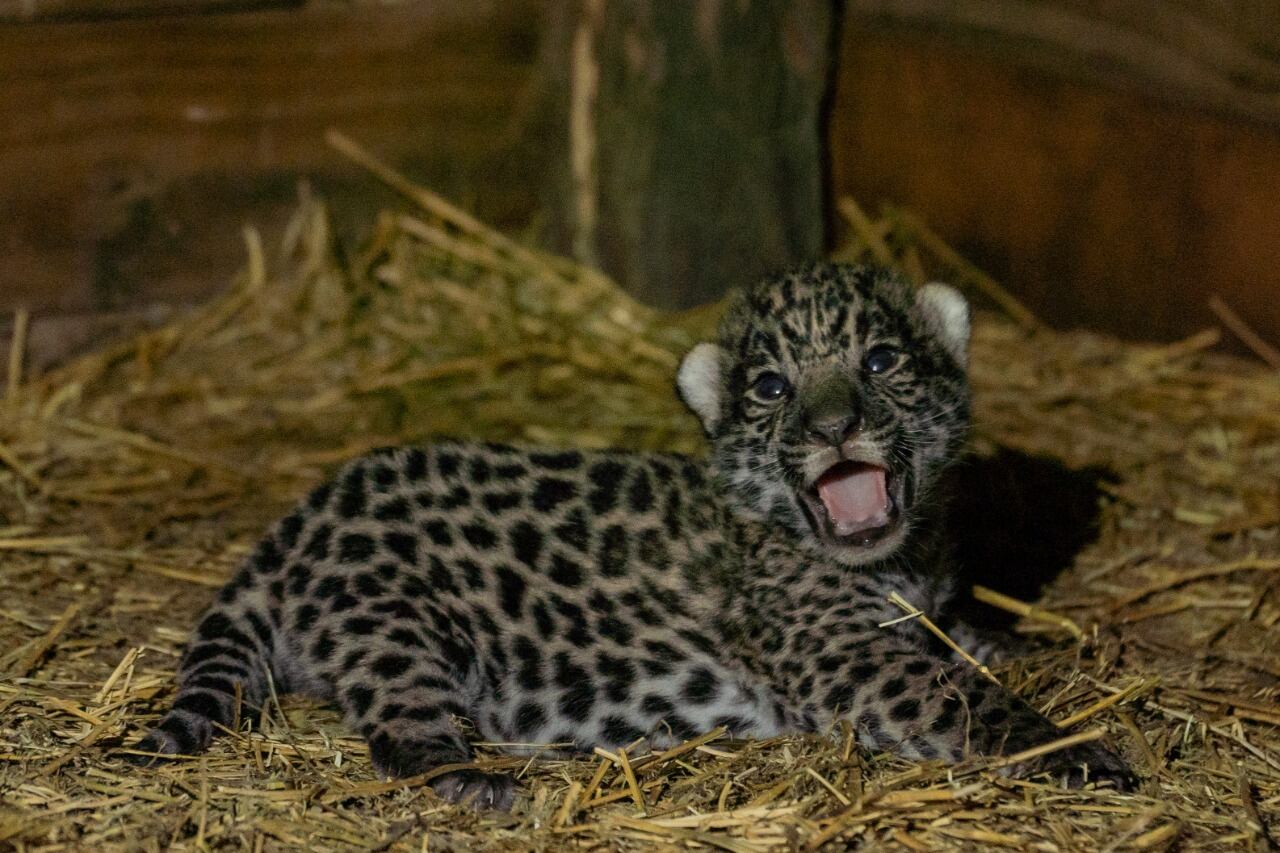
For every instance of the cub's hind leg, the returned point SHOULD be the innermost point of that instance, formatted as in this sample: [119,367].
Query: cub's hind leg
[231,655]
[226,662]
[402,694]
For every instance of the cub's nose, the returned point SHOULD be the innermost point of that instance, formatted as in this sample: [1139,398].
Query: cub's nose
[832,429]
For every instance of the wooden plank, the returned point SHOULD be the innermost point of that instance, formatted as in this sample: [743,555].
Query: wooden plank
[98,10]
[1223,57]
[134,150]
[1099,208]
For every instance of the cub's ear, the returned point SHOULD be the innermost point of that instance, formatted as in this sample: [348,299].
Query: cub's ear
[698,382]
[947,313]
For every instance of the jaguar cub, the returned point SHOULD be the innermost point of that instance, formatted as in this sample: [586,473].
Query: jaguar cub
[562,596]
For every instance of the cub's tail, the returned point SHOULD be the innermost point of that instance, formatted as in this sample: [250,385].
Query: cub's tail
[224,670]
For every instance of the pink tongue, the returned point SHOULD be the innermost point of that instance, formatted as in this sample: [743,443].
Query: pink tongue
[855,498]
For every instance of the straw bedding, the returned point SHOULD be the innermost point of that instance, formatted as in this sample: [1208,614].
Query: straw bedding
[134,479]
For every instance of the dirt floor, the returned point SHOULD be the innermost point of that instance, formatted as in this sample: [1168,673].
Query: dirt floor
[1132,492]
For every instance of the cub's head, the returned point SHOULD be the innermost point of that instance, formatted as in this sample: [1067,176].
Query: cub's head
[833,399]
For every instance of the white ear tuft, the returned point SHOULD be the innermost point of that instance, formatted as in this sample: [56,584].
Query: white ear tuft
[698,381]
[947,313]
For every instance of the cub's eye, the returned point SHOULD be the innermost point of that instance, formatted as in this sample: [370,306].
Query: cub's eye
[770,386]
[881,359]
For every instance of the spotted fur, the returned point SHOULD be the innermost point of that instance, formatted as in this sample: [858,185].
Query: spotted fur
[584,598]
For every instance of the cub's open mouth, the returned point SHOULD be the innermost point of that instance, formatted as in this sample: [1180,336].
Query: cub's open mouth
[851,503]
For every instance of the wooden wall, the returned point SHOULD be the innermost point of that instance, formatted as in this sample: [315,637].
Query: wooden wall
[135,148]
[1115,164]
[675,144]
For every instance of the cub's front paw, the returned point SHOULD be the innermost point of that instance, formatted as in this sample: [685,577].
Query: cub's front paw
[477,789]
[1079,765]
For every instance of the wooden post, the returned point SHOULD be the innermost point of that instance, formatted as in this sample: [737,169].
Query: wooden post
[692,139]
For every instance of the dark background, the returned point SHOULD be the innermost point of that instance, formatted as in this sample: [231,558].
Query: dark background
[1113,164]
